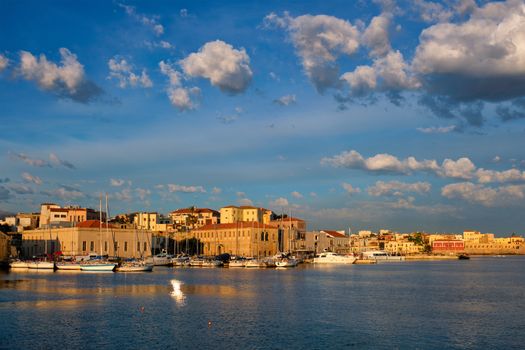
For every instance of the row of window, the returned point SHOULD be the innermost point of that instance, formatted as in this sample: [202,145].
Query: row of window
[116,247]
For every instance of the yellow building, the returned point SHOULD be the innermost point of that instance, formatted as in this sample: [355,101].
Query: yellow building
[54,215]
[246,238]
[402,247]
[479,243]
[191,218]
[152,221]
[89,237]
[231,214]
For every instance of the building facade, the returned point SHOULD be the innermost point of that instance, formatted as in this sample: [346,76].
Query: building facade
[231,214]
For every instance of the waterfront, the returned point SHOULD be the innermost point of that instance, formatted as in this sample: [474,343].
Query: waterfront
[434,304]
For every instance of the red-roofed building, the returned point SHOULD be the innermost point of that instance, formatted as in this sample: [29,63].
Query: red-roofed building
[325,240]
[191,218]
[230,214]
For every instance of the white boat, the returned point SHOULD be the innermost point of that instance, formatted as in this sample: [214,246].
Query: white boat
[212,263]
[162,259]
[68,265]
[41,265]
[181,261]
[98,266]
[134,267]
[237,263]
[333,258]
[255,263]
[196,262]
[18,264]
[286,262]
[381,256]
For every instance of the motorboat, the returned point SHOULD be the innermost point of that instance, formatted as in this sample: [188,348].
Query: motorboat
[333,258]
[381,256]
[237,263]
[196,262]
[180,261]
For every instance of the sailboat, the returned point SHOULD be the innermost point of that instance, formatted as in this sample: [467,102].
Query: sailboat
[255,263]
[42,264]
[135,265]
[99,265]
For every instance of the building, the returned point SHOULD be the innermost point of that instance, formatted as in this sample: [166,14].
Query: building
[88,237]
[152,221]
[477,243]
[402,247]
[191,218]
[231,214]
[54,215]
[5,248]
[244,238]
[448,246]
[325,241]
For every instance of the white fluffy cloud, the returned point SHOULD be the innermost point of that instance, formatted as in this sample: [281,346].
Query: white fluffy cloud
[350,189]
[179,96]
[226,68]
[319,41]
[185,189]
[279,202]
[4,62]
[31,178]
[486,196]
[376,35]
[66,79]
[142,193]
[122,70]
[397,188]
[482,58]
[285,100]
[297,195]
[462,168]
[116,182]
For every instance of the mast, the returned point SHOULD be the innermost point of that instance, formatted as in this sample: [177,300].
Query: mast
[100,225]
[107,214]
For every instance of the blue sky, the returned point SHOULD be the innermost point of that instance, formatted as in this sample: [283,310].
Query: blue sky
[407,115]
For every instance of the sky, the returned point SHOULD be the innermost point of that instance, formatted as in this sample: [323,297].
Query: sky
[360,115]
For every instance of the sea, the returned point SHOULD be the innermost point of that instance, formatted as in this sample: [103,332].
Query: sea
[460,304]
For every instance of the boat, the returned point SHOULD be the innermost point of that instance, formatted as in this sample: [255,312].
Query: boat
[381,256]
[180,261]
[286,262]
[463,257]
[18,264]
[237,263]
[134,266]
[161,259]
[98,266]
[255,263]
[333,258]
[41,265]
[68,265]
[196,262]
[212,263]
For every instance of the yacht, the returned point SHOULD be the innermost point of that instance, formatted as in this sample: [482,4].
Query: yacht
[19,264]
[161,259]
[41,264]
[68,265]
[237,263]
[97,266]
[212,263]
[333,258]
[255,263]
[381,256]
[134,266]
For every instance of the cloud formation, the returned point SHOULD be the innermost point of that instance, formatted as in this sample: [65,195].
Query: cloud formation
[486,196]
[66,80]
[57,161]
[318,41]
[279,202]
[179,96]
[350,189]
[149,21]
[4,62]
[285,100]
[397,188]
[225,67]
[30,178]
[185,189]
[438,129]
[121,70]
[462,168]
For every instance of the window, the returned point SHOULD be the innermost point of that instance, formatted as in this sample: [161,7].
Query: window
[125,246]
[138,246]
[84,246]
[106,246]
[145,246]
[91,246]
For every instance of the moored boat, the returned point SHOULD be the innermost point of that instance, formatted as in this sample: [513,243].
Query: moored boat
[333,258]
[18,264]
[237,263]
[134,267]
[41,265]
[381,256]
[98,266]
[67,265]
[287,262]
[162,259]
[212,263]
[255,263]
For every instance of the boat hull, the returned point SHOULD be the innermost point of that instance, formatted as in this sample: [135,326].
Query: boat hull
[69,267]
[98,267]
[41,265]
[18,265]
[135,268]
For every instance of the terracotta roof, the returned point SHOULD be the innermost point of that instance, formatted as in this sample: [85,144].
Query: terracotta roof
[288,219]
[334,234]
[92,224]
[196,211]
[243,224]
[59,209]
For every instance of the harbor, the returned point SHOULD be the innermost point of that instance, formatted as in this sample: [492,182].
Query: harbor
[391,305]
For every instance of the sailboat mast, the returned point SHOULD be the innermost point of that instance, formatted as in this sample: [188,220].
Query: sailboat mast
[107,222]
[100,225]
